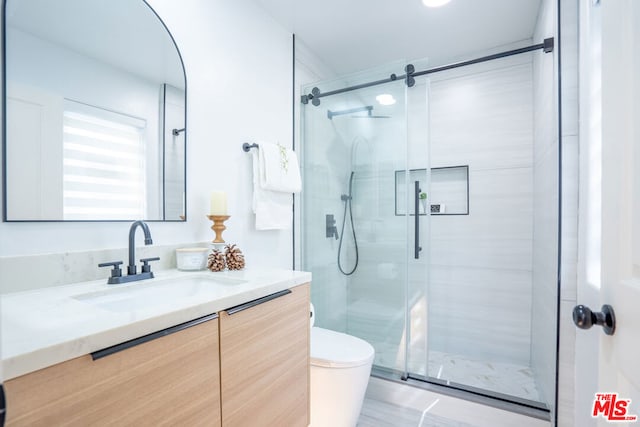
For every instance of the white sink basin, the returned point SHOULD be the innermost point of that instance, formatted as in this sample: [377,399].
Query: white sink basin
[154,293]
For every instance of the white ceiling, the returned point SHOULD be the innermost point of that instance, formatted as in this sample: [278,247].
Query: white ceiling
[352,35]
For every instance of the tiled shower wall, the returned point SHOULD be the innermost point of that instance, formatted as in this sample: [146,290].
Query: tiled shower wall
[480,281]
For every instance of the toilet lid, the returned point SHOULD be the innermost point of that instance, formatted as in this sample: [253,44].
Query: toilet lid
[336,350]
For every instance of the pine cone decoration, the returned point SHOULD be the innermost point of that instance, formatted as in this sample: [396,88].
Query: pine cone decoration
[215,261]
[235,259]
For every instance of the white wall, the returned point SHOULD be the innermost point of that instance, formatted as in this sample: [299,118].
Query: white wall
[238,65]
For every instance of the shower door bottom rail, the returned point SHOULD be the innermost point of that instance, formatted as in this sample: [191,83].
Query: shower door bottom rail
[482,396]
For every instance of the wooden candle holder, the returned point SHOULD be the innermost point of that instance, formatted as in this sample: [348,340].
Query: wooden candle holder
[218,226]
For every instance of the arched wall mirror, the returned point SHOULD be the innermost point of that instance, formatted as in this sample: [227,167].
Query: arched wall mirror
[94,113]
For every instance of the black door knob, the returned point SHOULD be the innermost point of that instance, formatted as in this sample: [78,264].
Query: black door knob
[584,318]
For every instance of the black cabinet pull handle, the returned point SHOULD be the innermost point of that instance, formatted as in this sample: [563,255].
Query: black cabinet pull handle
[150,337]
[584,318]
[247,305]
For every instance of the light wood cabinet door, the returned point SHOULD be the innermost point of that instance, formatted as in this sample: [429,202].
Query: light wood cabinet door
[264,359]
[168,380]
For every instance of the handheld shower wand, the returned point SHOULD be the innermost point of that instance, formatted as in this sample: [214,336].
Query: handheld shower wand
[347,206]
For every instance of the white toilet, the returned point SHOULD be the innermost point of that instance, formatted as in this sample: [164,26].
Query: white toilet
[340,369]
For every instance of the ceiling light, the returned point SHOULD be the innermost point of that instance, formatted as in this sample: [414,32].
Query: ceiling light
[385,99]
[435,3]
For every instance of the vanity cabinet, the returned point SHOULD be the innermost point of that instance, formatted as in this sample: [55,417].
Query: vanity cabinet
[264,361]
[172,378]
[247,367]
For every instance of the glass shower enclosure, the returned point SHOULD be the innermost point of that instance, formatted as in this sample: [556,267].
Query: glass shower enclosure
[419,222]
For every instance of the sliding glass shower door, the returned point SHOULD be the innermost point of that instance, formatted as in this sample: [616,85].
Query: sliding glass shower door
[493,235]
[429,221]
[354,207]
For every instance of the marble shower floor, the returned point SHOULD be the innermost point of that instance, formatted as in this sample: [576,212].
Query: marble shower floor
[505,378]
[389,404]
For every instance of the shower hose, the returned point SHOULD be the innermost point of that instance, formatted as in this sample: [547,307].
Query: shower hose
[347,206]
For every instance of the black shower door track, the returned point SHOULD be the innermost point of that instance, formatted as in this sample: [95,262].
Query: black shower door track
[315,95]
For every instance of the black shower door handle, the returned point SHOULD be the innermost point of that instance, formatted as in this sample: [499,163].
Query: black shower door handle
[416,239]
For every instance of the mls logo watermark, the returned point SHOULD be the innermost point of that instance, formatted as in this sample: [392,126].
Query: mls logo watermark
[611,408]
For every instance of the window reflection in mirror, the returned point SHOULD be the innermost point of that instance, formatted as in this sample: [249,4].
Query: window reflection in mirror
[94,91]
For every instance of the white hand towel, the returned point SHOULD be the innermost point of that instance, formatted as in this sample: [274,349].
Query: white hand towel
[272,208]
[279,168]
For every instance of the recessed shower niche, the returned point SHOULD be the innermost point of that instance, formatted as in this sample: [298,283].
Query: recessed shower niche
[448,195]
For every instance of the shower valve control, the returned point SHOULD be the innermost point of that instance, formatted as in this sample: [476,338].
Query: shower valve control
[331,230]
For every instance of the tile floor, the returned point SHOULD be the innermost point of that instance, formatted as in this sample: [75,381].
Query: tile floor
[389,404]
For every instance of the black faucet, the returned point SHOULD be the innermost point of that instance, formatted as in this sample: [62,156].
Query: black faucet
[132,274]
[131,268]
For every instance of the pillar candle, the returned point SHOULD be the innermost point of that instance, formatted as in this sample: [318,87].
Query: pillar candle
[218,203]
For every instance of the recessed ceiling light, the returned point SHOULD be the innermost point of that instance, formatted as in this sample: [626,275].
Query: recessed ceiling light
[385,99]
[435,3]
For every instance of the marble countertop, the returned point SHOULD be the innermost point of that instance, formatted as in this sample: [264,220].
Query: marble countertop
[47,326]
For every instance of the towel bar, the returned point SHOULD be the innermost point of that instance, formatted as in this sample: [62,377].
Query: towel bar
[246,146]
